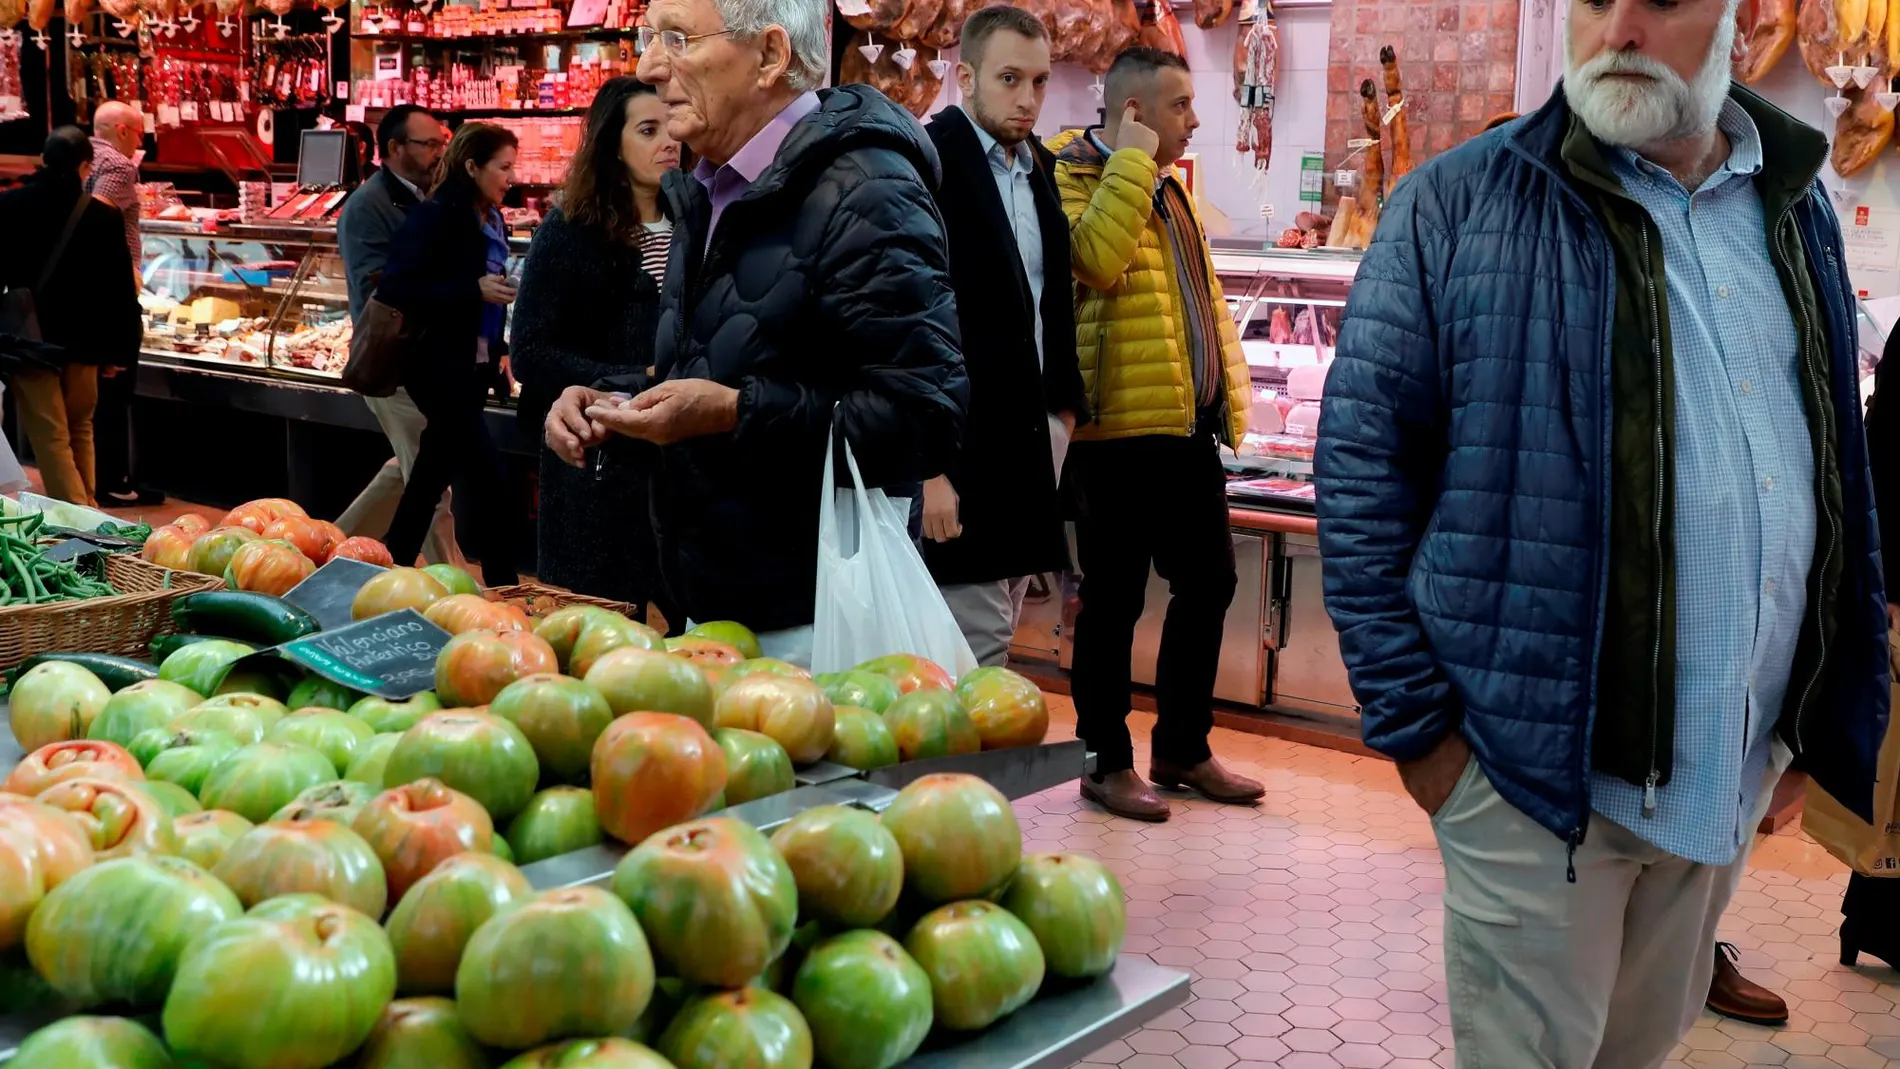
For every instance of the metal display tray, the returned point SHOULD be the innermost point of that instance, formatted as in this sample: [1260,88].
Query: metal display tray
[1065,1023]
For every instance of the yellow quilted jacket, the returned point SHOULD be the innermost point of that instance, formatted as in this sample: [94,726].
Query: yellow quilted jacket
[1130,328]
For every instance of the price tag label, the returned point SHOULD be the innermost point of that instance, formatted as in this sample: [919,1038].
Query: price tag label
[1345,179]
[188,111]
[355,113]
[343,90]
[392,656]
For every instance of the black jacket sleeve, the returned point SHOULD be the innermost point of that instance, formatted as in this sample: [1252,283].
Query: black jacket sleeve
[121,326]
[418,273]
[886,303]
[554,333]
[1883,456]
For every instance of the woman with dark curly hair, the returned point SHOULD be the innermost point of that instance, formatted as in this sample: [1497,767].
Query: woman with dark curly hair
[589,306]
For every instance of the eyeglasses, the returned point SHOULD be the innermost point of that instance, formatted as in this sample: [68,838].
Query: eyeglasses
[430,142]
[672,42]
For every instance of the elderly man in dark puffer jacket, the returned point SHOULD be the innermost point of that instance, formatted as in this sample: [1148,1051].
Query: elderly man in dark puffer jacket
[1597,531]
[808,284]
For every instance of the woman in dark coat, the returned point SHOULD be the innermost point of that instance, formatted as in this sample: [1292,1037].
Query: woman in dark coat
[1871,910]
[88,307]
[589,307]
[446,274]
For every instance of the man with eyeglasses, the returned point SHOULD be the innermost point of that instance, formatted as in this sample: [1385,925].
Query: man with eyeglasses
[411,142]
[808,287]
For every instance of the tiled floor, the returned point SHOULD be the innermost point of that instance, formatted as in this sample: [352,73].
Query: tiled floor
[1311,925]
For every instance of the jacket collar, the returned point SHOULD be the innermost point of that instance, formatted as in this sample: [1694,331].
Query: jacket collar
[1553,136]
[399,192]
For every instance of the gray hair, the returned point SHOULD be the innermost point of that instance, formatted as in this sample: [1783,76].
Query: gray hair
[804,24]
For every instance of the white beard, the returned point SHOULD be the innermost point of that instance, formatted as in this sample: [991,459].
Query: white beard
[1634,113]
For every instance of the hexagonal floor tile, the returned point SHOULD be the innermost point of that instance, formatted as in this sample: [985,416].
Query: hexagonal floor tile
[1312,925]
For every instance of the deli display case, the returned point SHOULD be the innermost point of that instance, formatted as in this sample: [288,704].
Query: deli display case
[263,298]
[246,331]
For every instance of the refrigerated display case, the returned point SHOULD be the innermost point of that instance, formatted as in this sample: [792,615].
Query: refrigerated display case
[270,299]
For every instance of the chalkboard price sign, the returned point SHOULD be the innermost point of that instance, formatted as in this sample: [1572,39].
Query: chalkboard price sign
[328,592]
[391,656]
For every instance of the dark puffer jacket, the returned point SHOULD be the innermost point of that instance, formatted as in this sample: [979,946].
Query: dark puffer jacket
[826,288]
[1466,461]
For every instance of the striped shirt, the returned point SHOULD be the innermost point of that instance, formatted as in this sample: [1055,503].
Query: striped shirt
[656,242]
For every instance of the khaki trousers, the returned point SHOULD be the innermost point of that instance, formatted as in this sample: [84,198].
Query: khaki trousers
[987,614]
[56,414]
[370,514]
[1607,973]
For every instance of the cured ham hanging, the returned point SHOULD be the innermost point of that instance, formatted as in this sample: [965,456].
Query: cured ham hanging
[1394,119]
[1358,215]
[1766,29]
[912,89]
[1088,32]
[1862,131]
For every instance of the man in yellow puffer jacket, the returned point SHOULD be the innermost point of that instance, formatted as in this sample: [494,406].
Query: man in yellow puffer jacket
[1162,367]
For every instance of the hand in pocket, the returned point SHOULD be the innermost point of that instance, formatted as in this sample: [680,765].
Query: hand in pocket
[1431,779]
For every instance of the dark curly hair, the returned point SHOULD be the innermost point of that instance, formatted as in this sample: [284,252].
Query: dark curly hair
[599,191]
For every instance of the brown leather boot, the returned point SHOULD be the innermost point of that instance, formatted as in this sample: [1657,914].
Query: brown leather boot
[1125,795]
[1733,995]
[1210,780]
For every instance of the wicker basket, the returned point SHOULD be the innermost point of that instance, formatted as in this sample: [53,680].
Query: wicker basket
[124,624]
[540,599]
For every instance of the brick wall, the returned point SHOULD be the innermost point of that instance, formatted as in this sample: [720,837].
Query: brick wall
[1458,59]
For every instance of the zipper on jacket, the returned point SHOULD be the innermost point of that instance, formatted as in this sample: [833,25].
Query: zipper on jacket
[1655,532]
[1101,367]
[1827,557]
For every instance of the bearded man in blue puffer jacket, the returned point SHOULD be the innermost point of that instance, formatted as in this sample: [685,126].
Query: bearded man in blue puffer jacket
[1597,528]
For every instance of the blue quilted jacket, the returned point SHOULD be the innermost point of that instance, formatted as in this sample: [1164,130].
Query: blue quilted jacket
[1464,505]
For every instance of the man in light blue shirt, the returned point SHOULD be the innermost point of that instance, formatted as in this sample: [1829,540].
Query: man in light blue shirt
[992,521]
[1596,527]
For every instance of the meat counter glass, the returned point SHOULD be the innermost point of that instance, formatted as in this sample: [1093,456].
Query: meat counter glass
[269,299]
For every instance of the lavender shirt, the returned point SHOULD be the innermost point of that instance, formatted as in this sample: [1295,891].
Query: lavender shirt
[730,182]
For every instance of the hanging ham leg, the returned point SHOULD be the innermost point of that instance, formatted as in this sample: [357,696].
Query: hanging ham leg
[1851,18]
[1767,29]
[1816,31]
[1401,136]
[1861,132]
[883,15]
[1171,25]
[1211,13]
[1364,218]
[917,19]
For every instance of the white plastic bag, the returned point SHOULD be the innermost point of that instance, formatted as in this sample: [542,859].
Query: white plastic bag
[875,596]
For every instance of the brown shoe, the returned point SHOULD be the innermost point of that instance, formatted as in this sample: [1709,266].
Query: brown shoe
[1210,780]
[1125,795]
[1733,995]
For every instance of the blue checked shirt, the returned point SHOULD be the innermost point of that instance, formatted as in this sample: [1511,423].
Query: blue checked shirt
[1744,510]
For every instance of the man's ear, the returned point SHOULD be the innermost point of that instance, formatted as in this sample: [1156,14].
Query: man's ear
[775,55]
